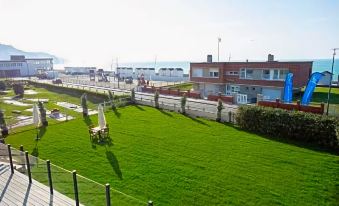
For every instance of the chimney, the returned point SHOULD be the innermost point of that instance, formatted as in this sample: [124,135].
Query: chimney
[209,58]
[270,58]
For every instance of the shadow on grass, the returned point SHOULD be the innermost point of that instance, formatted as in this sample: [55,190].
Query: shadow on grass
[42,131]
[35,151]
[305,145]
[165,112]
[116,112]
[114,163]
[138,107]
[197,120]
[88,120]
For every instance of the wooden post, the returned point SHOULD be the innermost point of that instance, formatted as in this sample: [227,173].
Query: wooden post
[108,195]
[75,183]
[28,168]
[21,148]
[10,158]
[150,203]
[277,101]
[322,105]
[50,182]
[298,105]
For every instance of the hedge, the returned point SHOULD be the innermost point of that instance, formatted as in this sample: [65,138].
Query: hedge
[295,125]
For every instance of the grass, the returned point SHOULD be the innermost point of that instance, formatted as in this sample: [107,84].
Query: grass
[320,96]
[183,86]
[176,160]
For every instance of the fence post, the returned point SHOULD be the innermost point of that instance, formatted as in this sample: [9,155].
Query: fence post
[10,157]
[21,148]
[150,203]
[230,116]
[49,176]
[28,167]
[108,195]
[75,182]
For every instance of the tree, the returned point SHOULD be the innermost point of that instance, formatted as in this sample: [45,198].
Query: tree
[156,99]
[84,105]
[111,99]
[183,103]
[2,85]
[220,107]
[42,111]
[18,89]
[133,95]
[3,126]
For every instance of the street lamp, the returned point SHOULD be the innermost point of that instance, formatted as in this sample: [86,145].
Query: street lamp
[219,40]
[330,85]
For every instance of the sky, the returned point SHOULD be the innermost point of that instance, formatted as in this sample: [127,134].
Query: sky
[97,32]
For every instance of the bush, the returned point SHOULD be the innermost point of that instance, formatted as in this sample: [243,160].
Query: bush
[156,99]
[183,103]
[18,89]
[2,85]
[42,111]
[300,126]
[83,100]
[220,107]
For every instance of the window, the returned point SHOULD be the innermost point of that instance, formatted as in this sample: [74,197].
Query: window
[243,73]
[282,74]
[276,74]
[214,73]
[249,74]
[232,73]
[197,72]
[266,74]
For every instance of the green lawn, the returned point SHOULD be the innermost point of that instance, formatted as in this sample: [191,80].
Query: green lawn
[320,96]
[175,160]
[183,86]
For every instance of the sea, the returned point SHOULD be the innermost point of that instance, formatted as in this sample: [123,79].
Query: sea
[319,65]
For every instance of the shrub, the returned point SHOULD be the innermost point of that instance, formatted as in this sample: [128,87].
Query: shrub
[42,111]
[18,89]
[156,99]
[220,107]
[84,105]
[3,126]
[133,95]
[111,99]
[2,85]
[183,103]
[300,126]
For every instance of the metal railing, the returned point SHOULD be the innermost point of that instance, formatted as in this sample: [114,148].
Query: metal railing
[69,183]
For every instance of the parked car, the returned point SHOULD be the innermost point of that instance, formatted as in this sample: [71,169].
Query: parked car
[57,81]
[128,80]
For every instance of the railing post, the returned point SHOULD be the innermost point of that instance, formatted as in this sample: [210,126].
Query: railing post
[150,203]
[49,176]
[21,148]
[10,158]
[108,195]
[75,182]
[28,168]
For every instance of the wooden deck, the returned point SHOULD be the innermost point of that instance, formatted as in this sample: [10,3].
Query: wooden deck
[16,190]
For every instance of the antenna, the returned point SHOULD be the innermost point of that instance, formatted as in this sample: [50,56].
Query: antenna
[229,57]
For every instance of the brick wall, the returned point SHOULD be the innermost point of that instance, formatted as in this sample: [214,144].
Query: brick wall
[298,106]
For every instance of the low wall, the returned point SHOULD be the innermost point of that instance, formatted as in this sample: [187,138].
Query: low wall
[298,106]
[172,92]
[226,99]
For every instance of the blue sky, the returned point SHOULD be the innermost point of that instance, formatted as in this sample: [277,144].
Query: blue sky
[95,32]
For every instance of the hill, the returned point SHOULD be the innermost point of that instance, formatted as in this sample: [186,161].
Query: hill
[7,50]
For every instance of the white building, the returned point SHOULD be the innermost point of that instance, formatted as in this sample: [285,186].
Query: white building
[79,70]
[19,66]
[148,73]
[125,71]
[171,72]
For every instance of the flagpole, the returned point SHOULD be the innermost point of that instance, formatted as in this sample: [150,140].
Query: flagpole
[330,85]
[219,40]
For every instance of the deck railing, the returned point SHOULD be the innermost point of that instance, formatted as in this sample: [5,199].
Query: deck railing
[83,190]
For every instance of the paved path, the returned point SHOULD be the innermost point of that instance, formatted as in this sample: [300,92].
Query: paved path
[16,190]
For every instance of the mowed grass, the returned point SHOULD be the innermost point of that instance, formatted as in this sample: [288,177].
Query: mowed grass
[175,160]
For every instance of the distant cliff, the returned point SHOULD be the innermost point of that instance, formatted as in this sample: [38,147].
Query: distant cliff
[7,50]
